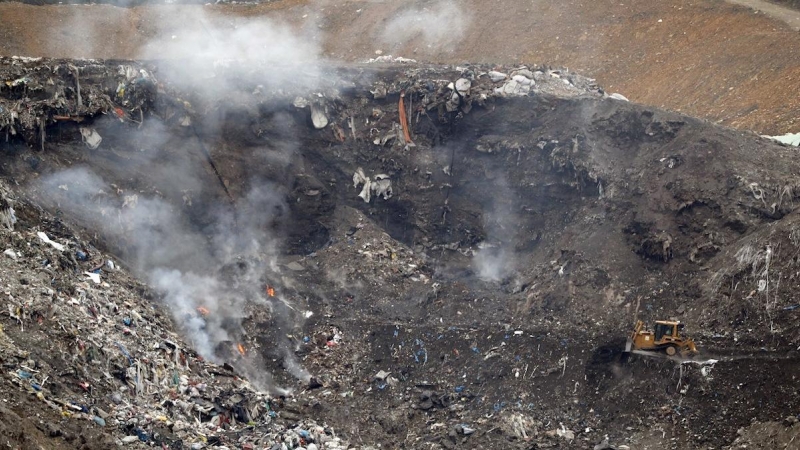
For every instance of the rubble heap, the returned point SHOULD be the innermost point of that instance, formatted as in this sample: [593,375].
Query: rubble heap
[82,337]
[36,93]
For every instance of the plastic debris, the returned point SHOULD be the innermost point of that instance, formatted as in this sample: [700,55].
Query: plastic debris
[318,117]
[381,187]
[47,240]
[91,138]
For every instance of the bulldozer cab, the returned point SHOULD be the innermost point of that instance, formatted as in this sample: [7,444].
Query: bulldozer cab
[667,329]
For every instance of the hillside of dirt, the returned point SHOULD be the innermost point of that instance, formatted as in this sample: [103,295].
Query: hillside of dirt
[392,255]
[726,63]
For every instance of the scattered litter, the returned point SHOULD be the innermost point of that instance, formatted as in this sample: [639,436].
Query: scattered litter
[91,138]
[47,240]
[391,59]
[318,117]
[95,277]
[497,76]
[381,187]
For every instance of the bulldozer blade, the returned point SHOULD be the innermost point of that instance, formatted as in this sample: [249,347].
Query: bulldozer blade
[628,345]
[678,357]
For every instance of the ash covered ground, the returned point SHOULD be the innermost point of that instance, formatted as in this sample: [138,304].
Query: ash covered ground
[388,255]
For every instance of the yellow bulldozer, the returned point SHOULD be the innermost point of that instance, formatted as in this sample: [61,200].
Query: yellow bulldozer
[666,337]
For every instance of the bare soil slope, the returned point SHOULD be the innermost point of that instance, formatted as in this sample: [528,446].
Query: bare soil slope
[709,59]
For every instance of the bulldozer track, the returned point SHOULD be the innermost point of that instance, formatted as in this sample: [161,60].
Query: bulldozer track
[714,357]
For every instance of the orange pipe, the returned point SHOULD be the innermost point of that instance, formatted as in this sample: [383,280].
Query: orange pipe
[403,118]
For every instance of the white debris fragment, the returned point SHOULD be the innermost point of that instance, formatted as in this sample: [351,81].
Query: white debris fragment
[513,87]
[8,218]
[359,177]
[523,73]
[497,76]
[463,85]
[300,102]
[318,117]
[90,137]
[130,201]
[95,277]
[788,139]
[382,375]
[390,59]
[47,240]
[365,191]
[382,186]
[10,253]
[565,433]
[618,96]
[525,81]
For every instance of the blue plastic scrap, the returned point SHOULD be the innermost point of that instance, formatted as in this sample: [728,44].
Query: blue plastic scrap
[421,352]
[125,352]
[142,435]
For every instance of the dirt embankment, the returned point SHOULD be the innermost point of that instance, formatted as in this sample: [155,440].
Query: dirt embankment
[714,60]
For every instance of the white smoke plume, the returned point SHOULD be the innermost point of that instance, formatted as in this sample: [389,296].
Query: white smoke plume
[179,260]
[211,52]
[218,267]
[495,260]
[438,25]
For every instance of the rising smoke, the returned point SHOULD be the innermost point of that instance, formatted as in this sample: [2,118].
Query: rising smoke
[494,260]
[215,260]
[439,25]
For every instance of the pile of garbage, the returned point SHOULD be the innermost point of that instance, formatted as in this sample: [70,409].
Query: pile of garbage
[441,92]
[37,92]
[85,339]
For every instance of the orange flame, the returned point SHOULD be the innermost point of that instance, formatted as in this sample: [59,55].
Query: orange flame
[203,311]
[270,291]
[241,349]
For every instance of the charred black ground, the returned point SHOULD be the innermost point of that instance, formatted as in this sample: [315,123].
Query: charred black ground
[496,285]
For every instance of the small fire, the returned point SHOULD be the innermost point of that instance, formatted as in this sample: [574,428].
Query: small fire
[270,291]
[241,349]
[203,311]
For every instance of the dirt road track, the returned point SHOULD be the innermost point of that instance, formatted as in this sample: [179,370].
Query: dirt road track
[777,12]
[711,59]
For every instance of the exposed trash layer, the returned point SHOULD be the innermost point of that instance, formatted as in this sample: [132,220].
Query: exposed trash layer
[448,257]
[717,65]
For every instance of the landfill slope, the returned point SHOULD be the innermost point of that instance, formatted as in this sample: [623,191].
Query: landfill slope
[722,62]
[410,256]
